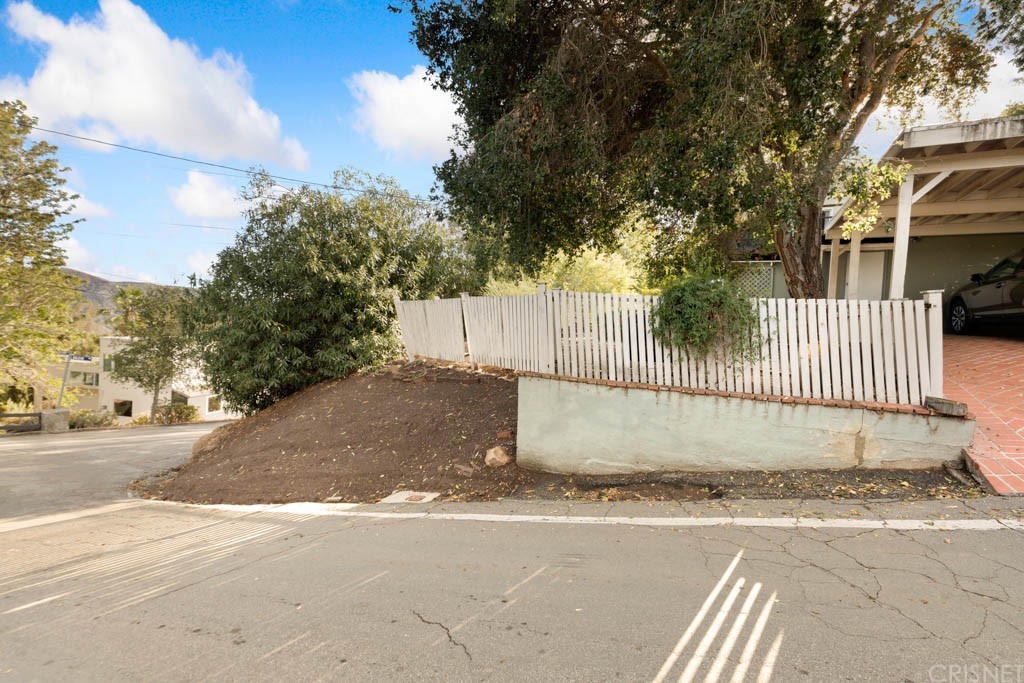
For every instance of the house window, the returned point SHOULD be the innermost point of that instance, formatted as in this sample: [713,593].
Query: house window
[91,379]
[213,404]
[178,397]
[122,408]
[108,364]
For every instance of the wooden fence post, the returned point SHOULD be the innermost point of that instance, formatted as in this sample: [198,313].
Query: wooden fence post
[933,311]
[464,297]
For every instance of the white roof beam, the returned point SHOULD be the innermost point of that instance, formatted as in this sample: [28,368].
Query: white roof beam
[930,185]
[1010,205]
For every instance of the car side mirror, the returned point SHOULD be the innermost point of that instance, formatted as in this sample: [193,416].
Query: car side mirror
[976,277]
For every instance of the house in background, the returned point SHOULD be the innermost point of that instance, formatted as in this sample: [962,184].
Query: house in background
[80,376]
[959,211]
[128,400]
[90,382]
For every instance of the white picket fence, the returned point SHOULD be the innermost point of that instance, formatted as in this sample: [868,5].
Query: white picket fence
[874,351]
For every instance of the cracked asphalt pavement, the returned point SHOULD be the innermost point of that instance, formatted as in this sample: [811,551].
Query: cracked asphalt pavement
[139,590]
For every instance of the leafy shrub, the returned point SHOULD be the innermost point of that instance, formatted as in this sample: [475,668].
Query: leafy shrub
[175,413]
[700,315]
[84,419]
[305,292]
[142,420]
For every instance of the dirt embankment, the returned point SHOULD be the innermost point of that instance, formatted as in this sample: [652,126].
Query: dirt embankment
[426,427]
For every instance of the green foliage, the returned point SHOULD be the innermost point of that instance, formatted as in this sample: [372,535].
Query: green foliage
[727,122]
[703,315]
[156,350]
[590,271]
[142,420]
[37,300]
[175,413]
[306,291]
[1013,109]
[85,419]
[864,184]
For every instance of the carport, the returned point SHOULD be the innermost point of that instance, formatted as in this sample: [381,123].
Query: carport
[958,212]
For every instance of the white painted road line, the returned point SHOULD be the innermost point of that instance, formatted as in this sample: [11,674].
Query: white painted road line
[309,510]
[346,510]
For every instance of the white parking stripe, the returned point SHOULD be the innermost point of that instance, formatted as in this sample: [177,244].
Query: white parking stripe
[697,620]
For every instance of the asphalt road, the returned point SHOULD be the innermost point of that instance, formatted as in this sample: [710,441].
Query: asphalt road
[509,591]
[42,473]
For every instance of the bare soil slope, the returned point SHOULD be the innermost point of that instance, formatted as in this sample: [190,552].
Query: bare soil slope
[358,439]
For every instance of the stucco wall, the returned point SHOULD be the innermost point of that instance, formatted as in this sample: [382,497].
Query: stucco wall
[573,427]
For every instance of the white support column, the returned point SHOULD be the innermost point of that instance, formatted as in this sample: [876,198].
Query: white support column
[933,312]
[853,266]
[901,240]
[833,269]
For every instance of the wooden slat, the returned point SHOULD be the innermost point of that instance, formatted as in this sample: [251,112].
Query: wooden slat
[856,369]
[834,347]
[587,339]
[821,311]
[800,371]
[773,381]
[924,367]
[867,350]
[802,348]
[818,335]
[845,351]
[616,316]
[877,364]
[888,352]
[900,351]
[910,338]
[649,371]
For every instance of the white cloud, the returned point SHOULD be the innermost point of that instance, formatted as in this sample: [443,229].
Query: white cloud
[78,257]
[85,208]
[117,76]
[1004,87]
[204,196]
[199,262]
[405,116]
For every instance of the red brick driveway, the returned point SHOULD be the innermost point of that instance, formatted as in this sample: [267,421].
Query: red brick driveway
[987,373]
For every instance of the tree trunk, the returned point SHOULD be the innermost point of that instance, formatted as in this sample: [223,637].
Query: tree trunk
[801,255]
[156,402]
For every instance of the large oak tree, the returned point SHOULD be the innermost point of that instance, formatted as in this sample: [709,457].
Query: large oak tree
[726,120]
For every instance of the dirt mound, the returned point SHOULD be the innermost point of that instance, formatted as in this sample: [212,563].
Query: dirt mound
[416,426]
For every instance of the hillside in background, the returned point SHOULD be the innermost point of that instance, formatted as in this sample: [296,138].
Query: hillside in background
[100,295]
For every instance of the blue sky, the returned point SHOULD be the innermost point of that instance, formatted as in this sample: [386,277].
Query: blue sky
[300,88]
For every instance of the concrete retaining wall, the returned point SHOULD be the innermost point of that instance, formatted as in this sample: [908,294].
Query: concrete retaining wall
[572,427]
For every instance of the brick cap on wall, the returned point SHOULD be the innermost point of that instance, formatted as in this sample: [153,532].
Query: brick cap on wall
[796,400]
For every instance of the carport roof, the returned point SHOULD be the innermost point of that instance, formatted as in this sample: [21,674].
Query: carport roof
[968,179]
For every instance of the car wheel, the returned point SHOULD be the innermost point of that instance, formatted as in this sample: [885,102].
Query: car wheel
[959,317]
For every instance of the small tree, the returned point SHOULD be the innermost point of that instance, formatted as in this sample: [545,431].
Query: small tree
[37,300]
[305,292]
[157,351]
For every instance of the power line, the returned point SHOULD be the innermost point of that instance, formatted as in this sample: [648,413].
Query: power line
[248,173]
[195,225]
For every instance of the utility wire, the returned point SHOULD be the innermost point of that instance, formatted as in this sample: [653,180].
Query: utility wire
[248,173]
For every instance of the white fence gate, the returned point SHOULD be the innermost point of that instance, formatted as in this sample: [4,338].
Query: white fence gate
[875,351]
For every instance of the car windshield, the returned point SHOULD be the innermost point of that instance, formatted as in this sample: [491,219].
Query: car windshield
[1006,267]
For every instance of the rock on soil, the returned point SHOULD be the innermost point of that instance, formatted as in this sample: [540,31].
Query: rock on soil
[497,457]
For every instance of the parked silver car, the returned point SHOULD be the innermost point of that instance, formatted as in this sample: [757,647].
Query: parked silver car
[995,295]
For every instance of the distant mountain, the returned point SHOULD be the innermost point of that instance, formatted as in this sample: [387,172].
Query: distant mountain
[100,295]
